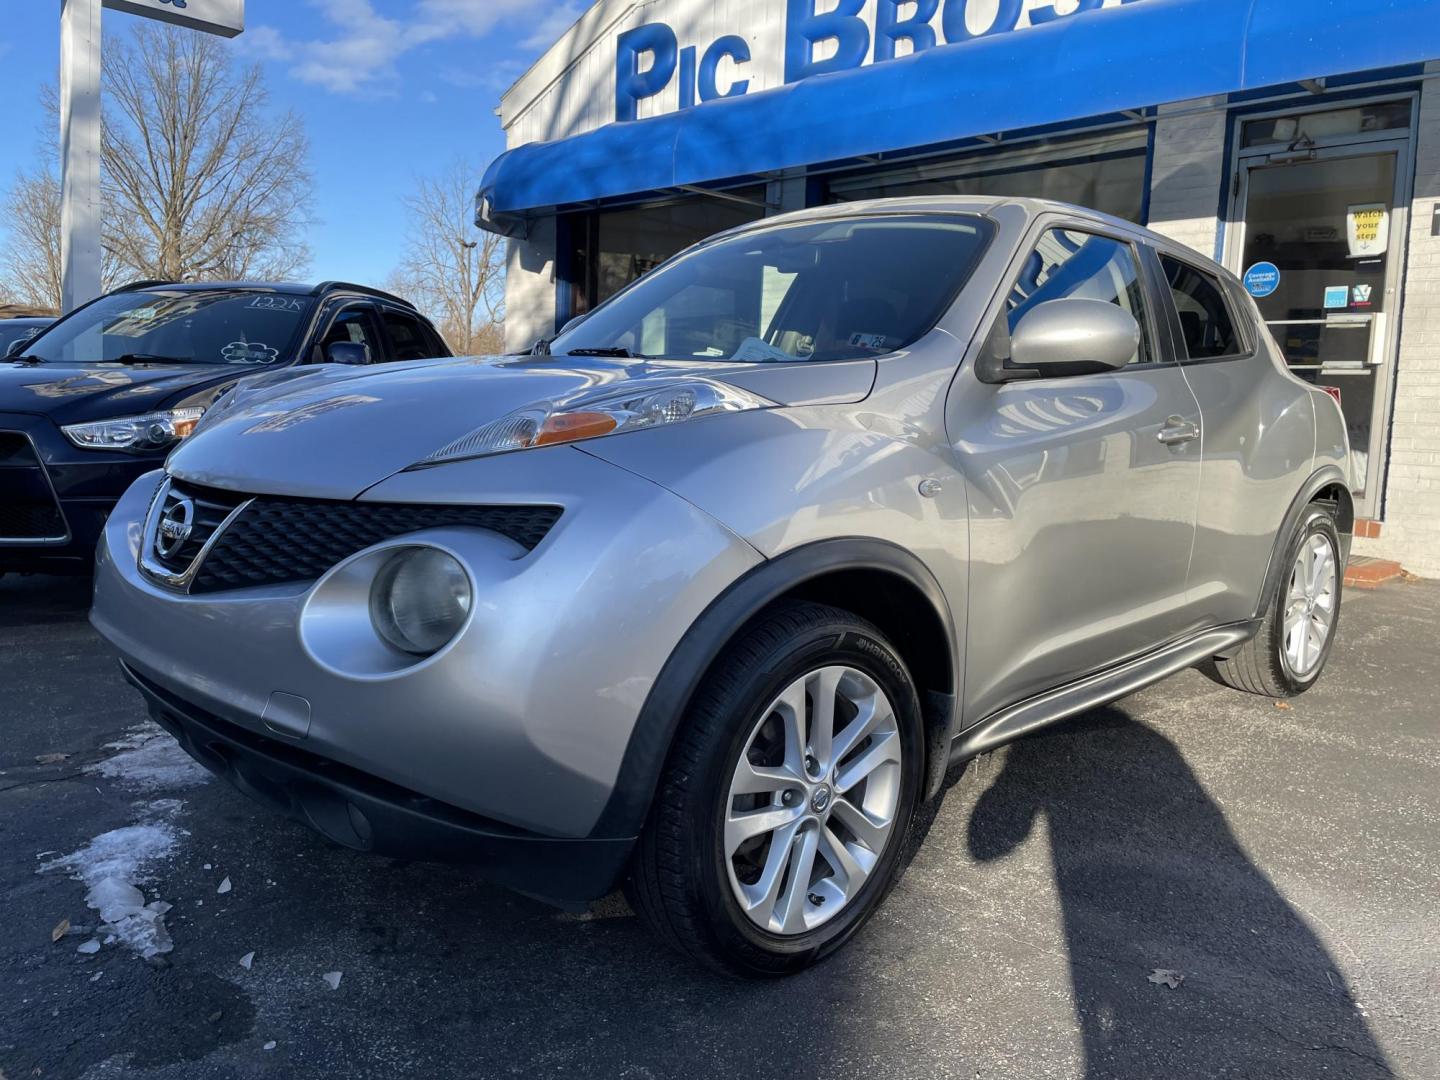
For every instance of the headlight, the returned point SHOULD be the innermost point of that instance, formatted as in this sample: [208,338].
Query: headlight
[420,600]
[593,414]
[152,431]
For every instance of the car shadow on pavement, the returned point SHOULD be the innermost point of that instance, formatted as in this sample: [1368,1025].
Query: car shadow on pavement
[1152,882]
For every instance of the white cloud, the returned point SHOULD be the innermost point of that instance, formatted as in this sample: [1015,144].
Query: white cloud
[359,51]
[552,24]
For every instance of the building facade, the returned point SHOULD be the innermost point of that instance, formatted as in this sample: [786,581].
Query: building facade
[1296,143]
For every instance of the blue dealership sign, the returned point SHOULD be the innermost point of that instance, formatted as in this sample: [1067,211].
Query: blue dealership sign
[1262,279]
[650,57]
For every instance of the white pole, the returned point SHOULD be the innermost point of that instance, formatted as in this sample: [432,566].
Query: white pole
[79,152]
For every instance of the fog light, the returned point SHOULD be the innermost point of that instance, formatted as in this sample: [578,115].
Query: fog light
[420,600]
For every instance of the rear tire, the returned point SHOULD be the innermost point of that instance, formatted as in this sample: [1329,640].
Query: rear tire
[747,749]
[1287,655]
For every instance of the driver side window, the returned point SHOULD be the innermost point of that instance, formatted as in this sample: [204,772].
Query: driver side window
[1067,263]
[354,324]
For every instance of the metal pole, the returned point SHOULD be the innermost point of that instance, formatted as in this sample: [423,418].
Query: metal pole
[79,152]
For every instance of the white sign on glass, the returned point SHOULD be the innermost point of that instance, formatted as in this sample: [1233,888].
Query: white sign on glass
[1367,227]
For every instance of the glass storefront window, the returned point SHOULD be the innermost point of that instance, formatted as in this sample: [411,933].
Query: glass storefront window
[611,248]
[1105,173]
[1306,129]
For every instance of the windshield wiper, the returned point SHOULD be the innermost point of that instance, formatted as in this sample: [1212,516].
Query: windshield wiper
[147,358]
[28,358]
[604,350]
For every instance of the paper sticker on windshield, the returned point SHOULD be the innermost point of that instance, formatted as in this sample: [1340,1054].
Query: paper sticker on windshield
[754,350]
[268,302]
[868,341]
[249,352]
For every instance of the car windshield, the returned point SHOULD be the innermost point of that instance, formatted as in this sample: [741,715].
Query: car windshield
[178,326]
[13,330]
[837,289]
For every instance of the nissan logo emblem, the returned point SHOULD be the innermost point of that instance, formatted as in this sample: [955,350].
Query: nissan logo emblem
[176,524]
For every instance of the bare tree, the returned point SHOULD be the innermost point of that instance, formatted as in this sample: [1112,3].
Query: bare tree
[201,180]
[30,265]
[31,216]
[453,271]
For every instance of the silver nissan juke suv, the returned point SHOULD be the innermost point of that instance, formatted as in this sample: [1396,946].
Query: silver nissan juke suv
[704,599]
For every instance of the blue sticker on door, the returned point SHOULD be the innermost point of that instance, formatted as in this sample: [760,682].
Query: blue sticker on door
[1262,279]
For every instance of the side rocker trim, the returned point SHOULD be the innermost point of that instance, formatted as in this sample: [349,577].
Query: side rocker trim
[629,804]
[1013,721]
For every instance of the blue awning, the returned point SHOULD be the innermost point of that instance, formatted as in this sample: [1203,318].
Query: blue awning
[1143,54]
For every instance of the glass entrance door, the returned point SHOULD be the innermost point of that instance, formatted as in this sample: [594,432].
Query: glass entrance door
[1321,252]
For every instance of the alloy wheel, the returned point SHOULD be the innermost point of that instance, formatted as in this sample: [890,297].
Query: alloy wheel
[813,800]
[1310,604]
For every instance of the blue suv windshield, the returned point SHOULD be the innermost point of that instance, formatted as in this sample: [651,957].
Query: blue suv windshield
[179,326]
[837,289]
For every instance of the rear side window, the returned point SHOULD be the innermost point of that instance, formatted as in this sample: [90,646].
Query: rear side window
[408,340]
[1207,325]
[1070,264]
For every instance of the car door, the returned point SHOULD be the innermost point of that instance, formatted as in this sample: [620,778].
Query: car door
[1081,489]
[353,321]
[1259,435]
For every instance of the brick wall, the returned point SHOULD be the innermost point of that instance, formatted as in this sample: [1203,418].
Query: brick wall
[1186,178]
[1411,531]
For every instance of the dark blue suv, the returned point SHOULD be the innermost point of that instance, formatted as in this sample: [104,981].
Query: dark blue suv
[103,394]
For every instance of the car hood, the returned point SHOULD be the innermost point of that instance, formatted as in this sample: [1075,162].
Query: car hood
[74,393]
[332,432]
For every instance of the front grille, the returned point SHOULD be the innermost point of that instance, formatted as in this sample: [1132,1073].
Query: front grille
[210,509]
[277,540]
[28,510]
[15,449]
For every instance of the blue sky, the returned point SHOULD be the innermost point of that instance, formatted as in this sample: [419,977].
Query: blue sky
[387,89]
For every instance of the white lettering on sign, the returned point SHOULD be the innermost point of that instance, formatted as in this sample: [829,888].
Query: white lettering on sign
[819,36]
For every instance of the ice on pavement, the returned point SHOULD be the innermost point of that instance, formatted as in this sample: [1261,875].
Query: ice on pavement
[224,887]
[110,866]
[247,960]
[333,978]
[115,864]
[151,760]
[114,898]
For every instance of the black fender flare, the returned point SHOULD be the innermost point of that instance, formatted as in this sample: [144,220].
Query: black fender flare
[627,808]
[1325,476]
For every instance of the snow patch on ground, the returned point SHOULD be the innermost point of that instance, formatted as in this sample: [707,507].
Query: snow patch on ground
[110,865]
[114,864]
[151,760]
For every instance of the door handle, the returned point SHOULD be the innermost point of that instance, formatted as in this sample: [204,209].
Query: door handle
[1178,430]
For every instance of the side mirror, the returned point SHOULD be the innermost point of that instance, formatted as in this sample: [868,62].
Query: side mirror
[1073,336]
[1059,337]
[347,352]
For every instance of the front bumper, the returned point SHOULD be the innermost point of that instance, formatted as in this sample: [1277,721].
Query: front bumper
[369,814]
[81,485]
[526,717]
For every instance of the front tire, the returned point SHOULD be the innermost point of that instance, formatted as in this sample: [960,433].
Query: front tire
[780,820]
[1287,655]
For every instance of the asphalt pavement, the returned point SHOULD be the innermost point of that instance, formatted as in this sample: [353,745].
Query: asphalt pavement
[1189,883]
